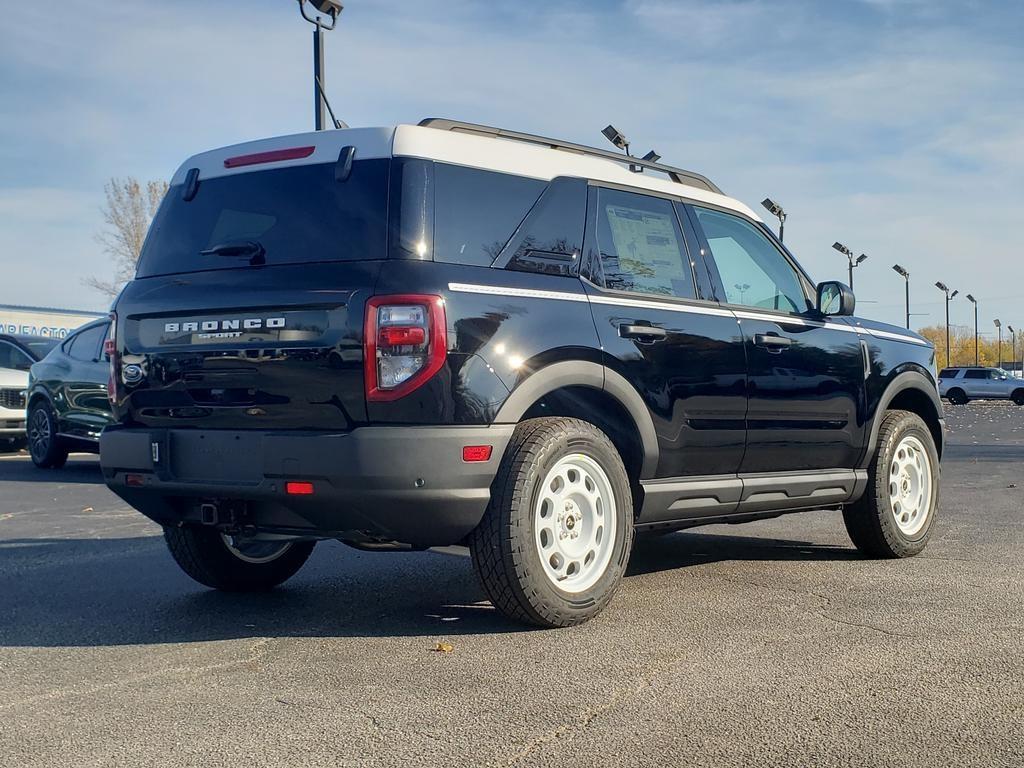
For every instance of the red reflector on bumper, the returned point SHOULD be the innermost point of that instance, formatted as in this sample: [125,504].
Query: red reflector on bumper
[134,480]
[294,488]
[476,453]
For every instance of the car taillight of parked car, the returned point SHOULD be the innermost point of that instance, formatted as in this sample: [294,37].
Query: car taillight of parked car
[110,350]
[405,343]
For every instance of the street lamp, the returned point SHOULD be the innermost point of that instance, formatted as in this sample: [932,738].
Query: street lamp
[331,9]
[999,328]
[1013,349]
[776,210]
[849,256]
[974,301]
[906,277]
[945,289]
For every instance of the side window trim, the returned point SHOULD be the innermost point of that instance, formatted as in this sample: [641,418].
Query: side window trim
[709,259]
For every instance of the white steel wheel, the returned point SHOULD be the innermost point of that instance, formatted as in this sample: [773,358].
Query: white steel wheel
[910,485]
[255,551]
[574,523]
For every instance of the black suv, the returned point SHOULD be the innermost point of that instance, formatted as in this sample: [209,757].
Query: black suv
[448,333]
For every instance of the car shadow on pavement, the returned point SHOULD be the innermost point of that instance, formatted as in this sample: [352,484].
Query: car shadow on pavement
[85,470]
[103,592]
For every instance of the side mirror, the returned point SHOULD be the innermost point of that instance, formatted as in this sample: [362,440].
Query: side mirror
[834,298]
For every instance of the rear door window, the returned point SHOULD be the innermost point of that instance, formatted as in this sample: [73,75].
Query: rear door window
[476,212]
[12,357]
[641,245]
[298,214]
[85,346]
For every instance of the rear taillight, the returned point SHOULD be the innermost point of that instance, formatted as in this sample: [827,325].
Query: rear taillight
[110,350]
[405,343]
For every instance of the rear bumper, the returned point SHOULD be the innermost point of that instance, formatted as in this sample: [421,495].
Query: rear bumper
[403,484]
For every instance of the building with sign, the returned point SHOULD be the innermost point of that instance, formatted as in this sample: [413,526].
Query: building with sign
[42,321]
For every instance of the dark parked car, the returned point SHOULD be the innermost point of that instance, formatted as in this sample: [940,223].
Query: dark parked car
[67,397]
[17,354]
[447,333]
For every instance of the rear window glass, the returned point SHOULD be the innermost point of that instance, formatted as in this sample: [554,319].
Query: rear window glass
[948,373]
[476,212]
[298,214]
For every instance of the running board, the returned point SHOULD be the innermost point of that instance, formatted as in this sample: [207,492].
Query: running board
[694,498]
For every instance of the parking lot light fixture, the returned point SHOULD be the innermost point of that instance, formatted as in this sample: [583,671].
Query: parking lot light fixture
[330,9]
[777,211]
[906,279]
[853,262]
[974,301]
[949,295]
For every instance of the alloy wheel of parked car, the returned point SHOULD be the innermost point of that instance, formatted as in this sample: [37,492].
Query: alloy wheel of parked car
[44,444]
[910,485]
[957,397]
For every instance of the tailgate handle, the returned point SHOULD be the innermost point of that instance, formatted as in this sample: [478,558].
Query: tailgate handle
[648,333]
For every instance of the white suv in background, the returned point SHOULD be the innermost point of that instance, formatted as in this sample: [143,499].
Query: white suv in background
[961,385]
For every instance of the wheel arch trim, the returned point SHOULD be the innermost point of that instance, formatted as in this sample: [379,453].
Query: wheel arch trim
[906,381]
[582,373]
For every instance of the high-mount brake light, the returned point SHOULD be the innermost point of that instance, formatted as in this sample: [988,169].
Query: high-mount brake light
[405,342]
[271,156]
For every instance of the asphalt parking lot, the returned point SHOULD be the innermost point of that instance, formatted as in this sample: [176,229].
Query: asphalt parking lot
[770,644]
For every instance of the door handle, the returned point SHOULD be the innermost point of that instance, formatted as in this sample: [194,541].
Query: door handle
[772,342]
[648,333]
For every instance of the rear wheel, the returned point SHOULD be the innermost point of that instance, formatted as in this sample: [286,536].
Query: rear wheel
[894,516]
[1018,396]
[957,397]
[232,564]
[556,536]
[46,448]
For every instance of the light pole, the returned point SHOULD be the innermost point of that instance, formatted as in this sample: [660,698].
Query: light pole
[945,289]
[906,278]
[999,330]
[776,210]
[1013,349]
[974,301]
[849,257]
[332,9]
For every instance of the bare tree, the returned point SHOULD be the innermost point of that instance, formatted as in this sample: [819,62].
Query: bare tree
[128,210]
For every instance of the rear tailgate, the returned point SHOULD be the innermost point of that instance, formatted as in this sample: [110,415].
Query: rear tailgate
[269,348]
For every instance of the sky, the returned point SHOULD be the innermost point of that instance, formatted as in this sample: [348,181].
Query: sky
[894,126]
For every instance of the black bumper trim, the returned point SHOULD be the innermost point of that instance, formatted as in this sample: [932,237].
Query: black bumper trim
[406,484]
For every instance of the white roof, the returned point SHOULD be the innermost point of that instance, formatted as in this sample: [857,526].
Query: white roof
[492,153]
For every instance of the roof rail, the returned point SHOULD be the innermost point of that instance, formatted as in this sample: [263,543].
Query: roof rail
[677,175]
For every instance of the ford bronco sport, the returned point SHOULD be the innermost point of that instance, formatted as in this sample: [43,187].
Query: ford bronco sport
[447,333]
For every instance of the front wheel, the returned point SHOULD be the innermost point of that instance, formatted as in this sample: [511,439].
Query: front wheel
[894,516]
[231,564]
[555,539]
[44,445]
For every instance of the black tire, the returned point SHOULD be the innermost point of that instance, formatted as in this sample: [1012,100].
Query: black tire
[203,554]
[506,555]
[44,446]
[1018,396]
[957,397]
[871,520]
